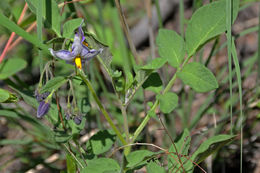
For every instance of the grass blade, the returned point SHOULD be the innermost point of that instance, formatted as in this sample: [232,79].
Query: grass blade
[229,43]
[39,30]
[240,122]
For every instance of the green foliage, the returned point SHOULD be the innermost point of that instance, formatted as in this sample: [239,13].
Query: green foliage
[71,164]
[4,95]
[101,165]
[106,94]
[11,66]
[154,64]
[70,26]
[198,77]
[50,13]
[137,159]
[5,22]
[154,168]
[7,97]
[168,102]
[101,142]
[206,23]
[171,47]
[54,84]
[208,147]
[153,83]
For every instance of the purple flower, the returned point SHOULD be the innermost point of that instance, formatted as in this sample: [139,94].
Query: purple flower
[79,50]
[43,109]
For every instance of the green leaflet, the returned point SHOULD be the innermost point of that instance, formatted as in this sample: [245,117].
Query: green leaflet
[199,77]
[154,168]
[54,84]
[171,47]
[70,26]
[206,23]
[153,83]
[168,102]
[208,147]
[101,142]
[101,165]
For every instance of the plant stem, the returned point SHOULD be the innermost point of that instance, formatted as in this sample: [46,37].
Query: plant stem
[167,88]
[73,155]
[126,129]
[101,107]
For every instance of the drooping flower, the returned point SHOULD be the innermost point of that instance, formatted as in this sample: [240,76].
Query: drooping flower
[43,109]
[79,53]
[44,105]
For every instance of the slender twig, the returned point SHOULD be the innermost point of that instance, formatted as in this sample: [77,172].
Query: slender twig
[81,155]
[127,33]
[73,155]
[165,129]
[13,33]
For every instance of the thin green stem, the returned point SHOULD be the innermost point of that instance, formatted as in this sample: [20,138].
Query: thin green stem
[78,147]
[101,107]
[72,154]
[126,128]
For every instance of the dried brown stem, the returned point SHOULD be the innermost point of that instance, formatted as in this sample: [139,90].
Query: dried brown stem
[127,33]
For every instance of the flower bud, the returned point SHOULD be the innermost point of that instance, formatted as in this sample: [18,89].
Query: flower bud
[43,109]
[67,116]
[77,120]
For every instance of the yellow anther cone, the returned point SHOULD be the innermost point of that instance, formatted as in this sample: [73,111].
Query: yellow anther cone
[78,62]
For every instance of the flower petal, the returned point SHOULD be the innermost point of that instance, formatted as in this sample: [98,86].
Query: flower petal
[62,54]
[81,33]
[76,46]
[89,54]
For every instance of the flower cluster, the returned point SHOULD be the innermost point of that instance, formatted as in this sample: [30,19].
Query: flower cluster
[79,53]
